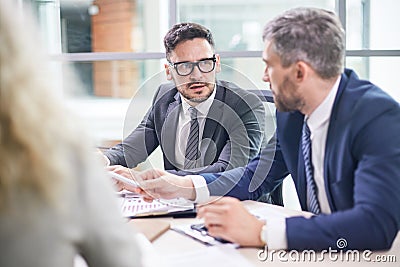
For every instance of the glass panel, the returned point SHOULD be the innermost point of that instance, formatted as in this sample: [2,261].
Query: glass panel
[103,25]
[238,24]
[109,87]
[383,20]
[116,78]
[380,71]
[370,24]
[246,72]
[355,37]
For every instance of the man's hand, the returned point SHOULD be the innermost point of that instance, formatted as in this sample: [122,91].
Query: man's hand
[227,218]
[126,172]
[161,184]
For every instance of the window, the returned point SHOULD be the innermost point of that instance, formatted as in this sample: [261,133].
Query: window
[116,46]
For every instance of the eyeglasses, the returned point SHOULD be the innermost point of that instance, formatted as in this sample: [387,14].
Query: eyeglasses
[186,67]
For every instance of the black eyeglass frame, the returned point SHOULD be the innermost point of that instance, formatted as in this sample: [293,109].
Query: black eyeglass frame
[196,63]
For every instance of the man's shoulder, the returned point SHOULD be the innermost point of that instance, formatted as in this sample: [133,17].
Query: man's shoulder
[229,91]
[166,90]
[363,103]
[364,96]
[231,87]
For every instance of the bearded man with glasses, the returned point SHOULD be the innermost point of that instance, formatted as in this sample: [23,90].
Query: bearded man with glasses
[201,124]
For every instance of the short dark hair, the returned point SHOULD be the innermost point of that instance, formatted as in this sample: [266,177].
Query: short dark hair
[185,31]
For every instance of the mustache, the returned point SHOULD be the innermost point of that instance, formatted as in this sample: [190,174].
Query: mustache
[189,84]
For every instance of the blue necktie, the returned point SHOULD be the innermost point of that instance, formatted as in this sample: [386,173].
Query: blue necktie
[313,204]
[192,147]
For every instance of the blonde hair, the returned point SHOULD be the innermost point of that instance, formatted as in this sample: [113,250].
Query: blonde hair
[39,146]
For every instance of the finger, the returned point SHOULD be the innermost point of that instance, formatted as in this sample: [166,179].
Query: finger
[149,185]
[212,209]
[151,174]
[118,185]
[150,194]
[121,170]
[220,232]
[129,187]
[112,167]
[135,175]
[137,190]
[148,199]
[214,219]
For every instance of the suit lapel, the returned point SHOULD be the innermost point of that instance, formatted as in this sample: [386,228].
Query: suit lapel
[215,113]
[296,121]
[213,119]
[330,138]
[168,134]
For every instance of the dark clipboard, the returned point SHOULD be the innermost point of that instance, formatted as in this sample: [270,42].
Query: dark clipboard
[191,213]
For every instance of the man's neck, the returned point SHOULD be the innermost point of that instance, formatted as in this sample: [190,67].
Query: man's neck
[316,93]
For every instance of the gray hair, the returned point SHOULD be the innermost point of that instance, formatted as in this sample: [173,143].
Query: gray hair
[312,35]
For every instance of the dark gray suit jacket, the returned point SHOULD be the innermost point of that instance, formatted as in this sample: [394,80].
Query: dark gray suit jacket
[233,131]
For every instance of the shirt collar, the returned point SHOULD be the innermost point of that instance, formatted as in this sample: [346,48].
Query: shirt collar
[323,112]
[203,107]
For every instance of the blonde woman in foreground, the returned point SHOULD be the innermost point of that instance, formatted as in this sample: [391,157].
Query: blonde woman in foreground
[55,202]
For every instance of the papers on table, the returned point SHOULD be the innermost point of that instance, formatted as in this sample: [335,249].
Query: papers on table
[135,206]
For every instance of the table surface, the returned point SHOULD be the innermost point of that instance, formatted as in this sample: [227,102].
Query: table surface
[171,243]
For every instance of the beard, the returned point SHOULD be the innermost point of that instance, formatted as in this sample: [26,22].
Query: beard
[196,97]
[288,98]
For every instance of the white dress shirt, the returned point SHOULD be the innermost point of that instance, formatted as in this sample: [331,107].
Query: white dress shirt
[183,127]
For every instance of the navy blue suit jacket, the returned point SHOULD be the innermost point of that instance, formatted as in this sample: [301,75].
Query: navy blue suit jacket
[361,171]
[232,136]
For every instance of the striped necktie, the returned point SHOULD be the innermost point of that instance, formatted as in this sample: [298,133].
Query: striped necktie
[192,147]
[313,204]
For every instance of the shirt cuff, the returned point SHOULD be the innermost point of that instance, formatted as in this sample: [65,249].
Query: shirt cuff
[275,233]
[200,187]
[108,162]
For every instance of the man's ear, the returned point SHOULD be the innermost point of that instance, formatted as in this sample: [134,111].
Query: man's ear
[217,63]
[301,71]
[168,72]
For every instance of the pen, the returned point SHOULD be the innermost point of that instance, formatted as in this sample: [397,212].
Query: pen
[199,227]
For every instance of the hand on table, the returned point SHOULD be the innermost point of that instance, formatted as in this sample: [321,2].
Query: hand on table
[227,218]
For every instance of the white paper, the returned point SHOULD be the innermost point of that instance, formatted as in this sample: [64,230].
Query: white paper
[136,206]
[221,255]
